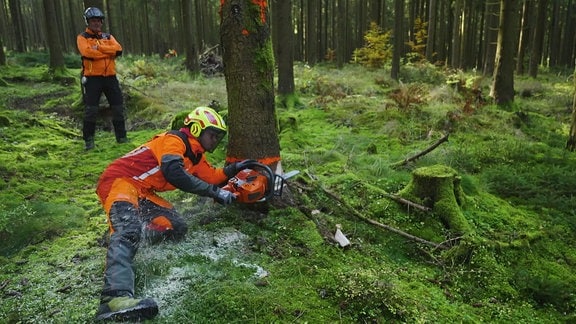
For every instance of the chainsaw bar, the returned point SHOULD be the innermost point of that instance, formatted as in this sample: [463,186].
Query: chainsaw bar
[279,181]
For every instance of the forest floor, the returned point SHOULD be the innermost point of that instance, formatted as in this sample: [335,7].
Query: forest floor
[511,259]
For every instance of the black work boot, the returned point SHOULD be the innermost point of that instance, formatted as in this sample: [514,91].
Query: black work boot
[88,131]
[120,131]
[126,308]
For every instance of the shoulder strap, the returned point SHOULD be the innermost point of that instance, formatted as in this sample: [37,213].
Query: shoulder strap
[195,158]
[86,35]
[103,35]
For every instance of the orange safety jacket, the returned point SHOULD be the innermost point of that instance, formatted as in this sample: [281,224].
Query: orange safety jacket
[99,52]
[142,169]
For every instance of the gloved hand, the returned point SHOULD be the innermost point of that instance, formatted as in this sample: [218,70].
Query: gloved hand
[224,197]
[233,168]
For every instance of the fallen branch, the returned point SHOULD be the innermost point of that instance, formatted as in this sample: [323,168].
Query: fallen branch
[408,202]
[406,235]
[373,222]
[419,155]
[390,228]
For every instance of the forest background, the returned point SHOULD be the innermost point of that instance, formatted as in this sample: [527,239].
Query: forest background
[351,135]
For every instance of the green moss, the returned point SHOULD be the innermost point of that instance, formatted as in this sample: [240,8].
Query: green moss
[512,262]
[438,187]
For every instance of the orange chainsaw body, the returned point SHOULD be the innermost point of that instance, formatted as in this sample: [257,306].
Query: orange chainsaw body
[249,186]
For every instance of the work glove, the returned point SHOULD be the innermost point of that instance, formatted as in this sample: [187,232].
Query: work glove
[224,197]
[233,168]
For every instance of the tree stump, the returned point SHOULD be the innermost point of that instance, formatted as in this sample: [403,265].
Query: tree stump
[438,187]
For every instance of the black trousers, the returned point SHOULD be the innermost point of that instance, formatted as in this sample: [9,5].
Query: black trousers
[93,88]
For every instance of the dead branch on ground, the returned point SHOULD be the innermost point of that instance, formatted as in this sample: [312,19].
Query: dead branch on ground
[419,155]
[373,222]
[408,202]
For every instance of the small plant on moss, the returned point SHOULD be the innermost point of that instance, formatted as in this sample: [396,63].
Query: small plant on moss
[408,96]
[377,50]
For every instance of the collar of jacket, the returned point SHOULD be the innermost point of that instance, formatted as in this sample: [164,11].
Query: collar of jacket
[91,32]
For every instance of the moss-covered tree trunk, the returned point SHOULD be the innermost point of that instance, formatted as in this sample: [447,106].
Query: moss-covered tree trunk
[249,73]
[438,187]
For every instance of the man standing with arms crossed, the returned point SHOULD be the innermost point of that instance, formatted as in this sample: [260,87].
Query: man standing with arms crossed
[99,51]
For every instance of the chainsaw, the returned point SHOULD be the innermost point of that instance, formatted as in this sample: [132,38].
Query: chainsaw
[257,183]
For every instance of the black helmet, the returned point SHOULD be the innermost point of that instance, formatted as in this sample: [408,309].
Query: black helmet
[93,12]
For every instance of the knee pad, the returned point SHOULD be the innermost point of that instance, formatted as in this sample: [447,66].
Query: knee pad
[163,226]
[160,224]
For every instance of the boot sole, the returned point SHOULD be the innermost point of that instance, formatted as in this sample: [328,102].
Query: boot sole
[138,312]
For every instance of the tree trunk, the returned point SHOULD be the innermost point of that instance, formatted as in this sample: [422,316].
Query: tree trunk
[312,32]
[490,37]
[54,46]
[568,45]
[398,38]
[430,42]
[503,81]
[2,54]
[249,73]
[555,34]
[190,49]
[571,144]
[525,28]
[340,35]
[538,39]
[455,53]
[438,187]
[442,31]
[18,25]
[282,20]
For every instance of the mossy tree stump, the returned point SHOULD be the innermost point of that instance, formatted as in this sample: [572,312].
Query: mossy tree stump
[438,187]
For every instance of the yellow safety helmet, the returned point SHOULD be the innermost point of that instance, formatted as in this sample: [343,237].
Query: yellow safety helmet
[204,118]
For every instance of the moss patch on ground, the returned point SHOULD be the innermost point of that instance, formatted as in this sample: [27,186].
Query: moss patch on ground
[239,265]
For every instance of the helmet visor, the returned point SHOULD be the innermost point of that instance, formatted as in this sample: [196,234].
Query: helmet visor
[211,137]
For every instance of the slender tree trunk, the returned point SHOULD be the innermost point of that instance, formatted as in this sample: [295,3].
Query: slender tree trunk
[430,42]
[190,49]
[282,21]
[2,54]
[398,38]
[53,36]
[249,73]
[18,25]
[340,35]
[503,82]
[566,57]
[571,143]
[538,39]
[455,55]
[555,35]
[524,36]
[441,46]
[312,32]
[490,36]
